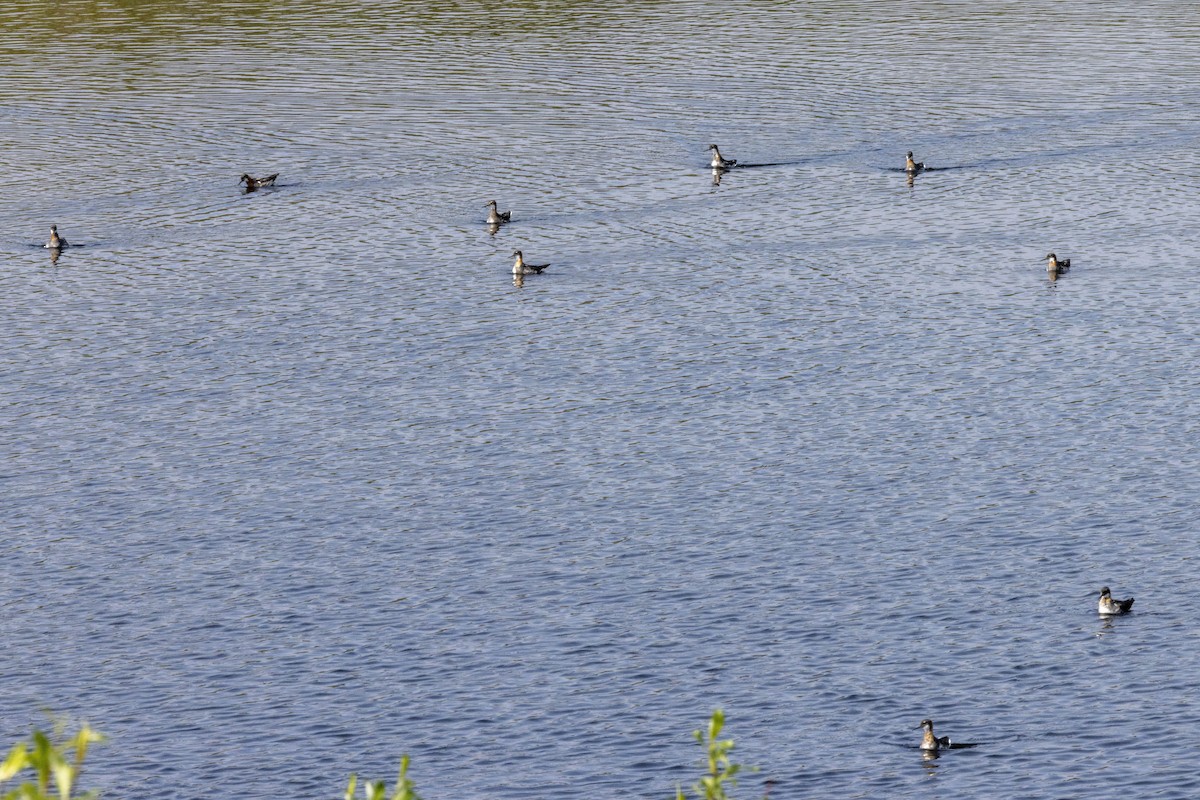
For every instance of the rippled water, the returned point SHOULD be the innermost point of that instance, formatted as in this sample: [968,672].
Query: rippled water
[296,481]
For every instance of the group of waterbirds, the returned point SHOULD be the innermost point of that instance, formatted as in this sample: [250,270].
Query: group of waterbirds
[719,164]
[56,244]
[521,268]
[931,744]
[495,219]
[1054,266]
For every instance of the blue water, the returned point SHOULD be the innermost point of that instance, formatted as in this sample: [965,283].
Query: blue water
[297,481]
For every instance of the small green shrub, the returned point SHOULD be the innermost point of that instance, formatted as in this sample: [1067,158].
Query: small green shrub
[721,771]
[52,763]
[55,765]
[377,790]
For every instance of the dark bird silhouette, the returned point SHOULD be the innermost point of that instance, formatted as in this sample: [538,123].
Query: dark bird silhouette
[257,183]
[717,161]
[521,268]
[496,217]
[56,242]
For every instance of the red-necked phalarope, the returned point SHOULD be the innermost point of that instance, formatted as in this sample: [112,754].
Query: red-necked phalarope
[717,161]
[521,268]
[911,166]
[56,242]
[257,183]
[1055,265]
[1110,606]
[496,217]
[931,743]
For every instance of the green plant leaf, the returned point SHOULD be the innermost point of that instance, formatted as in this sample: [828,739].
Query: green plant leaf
[64,777]
[42,757]
[17,760]
[86,736]
[716,724]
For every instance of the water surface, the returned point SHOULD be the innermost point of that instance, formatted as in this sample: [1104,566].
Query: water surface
[297,481]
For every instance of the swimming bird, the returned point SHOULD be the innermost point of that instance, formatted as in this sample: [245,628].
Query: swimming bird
[496,217]
[257,183]
[911,166]
[56,242]
[521,268]
[1110,606]
[931,743]
[717,161]
[1056,267]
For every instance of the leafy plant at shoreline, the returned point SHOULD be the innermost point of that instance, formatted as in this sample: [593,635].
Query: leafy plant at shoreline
[721,771]
[377,790]
[57,763]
